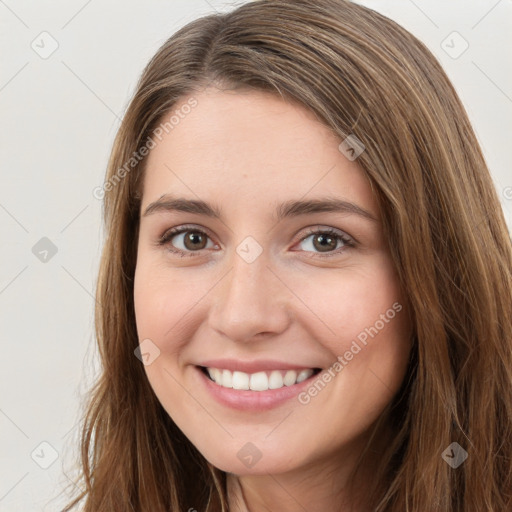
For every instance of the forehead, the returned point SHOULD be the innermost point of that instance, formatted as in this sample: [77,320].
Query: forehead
[248,146]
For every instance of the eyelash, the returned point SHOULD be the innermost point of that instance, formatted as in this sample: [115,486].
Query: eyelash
[166,238]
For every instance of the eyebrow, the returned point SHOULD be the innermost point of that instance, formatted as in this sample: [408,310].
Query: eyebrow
[291,208]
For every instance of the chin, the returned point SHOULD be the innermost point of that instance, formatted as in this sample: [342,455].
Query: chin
[249,460]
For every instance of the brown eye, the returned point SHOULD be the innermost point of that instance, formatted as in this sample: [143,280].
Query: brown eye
[324,242]
[194,240]
[185,240]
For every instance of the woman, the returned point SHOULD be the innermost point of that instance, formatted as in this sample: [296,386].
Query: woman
[305,291]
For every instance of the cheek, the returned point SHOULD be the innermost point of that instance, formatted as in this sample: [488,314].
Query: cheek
[356,304]
[162,302]
[366,328]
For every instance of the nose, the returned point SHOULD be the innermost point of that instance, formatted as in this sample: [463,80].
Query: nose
[250,300]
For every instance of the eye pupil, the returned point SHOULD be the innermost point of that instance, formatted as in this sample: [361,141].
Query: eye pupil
[324,247]
[193,237]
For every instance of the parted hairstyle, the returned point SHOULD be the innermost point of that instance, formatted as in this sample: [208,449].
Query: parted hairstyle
[361,74]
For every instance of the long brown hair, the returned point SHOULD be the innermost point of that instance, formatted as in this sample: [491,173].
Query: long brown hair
[361,74]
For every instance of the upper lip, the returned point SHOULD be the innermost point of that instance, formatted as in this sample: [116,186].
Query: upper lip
[253,366]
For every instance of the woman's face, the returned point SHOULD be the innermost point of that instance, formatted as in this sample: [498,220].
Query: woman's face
[264,285]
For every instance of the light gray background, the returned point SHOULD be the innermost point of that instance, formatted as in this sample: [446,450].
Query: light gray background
[59,115]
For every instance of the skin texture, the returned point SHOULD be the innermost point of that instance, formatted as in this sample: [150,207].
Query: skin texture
[245,152]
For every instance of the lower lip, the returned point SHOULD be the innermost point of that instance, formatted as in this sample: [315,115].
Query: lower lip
[247,400]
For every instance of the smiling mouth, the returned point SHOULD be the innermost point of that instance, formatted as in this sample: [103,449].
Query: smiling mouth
[259,381]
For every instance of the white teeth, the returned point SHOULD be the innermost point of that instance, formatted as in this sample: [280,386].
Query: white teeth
[240,380]
[227,378]
[259,381]
[275,380]
[303,375]
[290,378]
